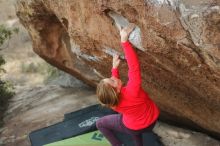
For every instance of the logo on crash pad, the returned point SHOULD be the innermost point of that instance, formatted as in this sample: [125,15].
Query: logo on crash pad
[88,122]
[97,136]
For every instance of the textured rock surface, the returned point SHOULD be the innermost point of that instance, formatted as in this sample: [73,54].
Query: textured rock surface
[178,46]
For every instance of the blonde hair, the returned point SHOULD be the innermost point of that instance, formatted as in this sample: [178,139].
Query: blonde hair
[107,95]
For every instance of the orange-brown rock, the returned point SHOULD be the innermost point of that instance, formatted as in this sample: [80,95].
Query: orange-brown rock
[178,43]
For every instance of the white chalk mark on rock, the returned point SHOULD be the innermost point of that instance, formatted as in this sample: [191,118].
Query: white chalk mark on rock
[112,52]
[135,36]
[76,50]
[173,3]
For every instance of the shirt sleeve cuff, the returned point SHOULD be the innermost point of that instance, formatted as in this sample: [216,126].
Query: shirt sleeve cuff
[115,72]
[124,44]
[114,69]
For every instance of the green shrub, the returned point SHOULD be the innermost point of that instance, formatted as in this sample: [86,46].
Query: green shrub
[6,92]
[2,62]
[52,73]
[6,88]
[29,68]
[6,33]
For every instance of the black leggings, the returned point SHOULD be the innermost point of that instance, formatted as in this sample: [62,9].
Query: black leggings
[110,123]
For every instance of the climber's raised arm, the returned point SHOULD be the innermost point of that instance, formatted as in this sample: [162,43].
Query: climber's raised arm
[134,73]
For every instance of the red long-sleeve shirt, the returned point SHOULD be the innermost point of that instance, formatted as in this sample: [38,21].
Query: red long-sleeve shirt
[137,109]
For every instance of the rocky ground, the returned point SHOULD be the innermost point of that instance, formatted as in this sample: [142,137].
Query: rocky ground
[37,104]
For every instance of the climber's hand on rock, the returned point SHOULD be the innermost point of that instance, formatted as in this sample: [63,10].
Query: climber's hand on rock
[125,32]
[115,61]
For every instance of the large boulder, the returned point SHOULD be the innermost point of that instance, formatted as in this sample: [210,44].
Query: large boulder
[178,44]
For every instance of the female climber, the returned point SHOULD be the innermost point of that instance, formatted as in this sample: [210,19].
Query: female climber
[137,112]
